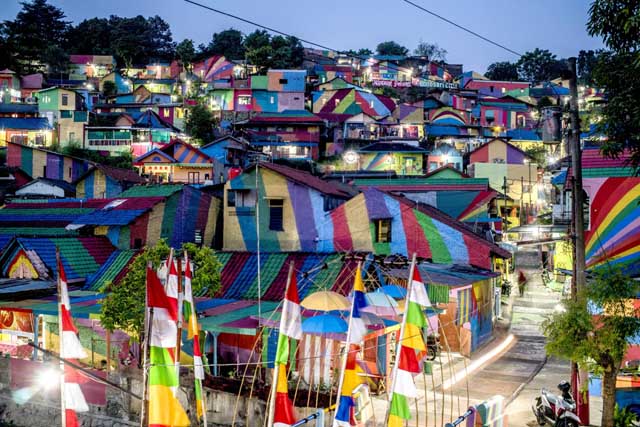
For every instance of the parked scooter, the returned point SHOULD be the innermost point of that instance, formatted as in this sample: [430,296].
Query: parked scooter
[433,347]
[557,411]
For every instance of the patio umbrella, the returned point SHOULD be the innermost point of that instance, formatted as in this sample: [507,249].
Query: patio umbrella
[381,304]
[325,301]
[324,324]
[394,291]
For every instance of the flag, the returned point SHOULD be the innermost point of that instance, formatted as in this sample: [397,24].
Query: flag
[189,310]
[164,407]
[70,349]
[412,350]
[290,327]
[357,330]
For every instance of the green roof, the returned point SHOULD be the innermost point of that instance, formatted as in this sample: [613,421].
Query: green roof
[160,190]
[607,172]
[110,272]
[421,181]
[37,231]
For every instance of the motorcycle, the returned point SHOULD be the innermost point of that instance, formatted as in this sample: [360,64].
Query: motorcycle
[433,347]
[557,411]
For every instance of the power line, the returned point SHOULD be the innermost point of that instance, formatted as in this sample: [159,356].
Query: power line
[462,27]
[282,33]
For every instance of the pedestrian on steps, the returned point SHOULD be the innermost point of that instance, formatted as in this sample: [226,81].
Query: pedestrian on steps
[522,282]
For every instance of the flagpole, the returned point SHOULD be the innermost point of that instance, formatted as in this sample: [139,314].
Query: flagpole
[148,321]
[394,373]
[345,356]
[63,403]
[180,302]
[276,365]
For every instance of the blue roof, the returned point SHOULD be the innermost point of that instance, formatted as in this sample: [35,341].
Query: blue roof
[110,217]
[524,134]
[559,179]
[24,123]
[438,130]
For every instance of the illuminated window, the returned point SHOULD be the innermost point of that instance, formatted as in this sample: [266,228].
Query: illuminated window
[244,100]
[383,230]
[166,112]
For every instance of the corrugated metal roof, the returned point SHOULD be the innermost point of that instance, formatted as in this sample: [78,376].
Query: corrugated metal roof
[25,123]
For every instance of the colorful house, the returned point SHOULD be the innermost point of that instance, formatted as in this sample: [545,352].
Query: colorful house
[214,69]
[501,162]
[179,162]
[400,157]
[35,258]
[444,155]
[67,114]
[105,182]
[352,101]
[291,211]
[291,134]
[466,199]
[40,163]
[9,86]
[83,67]
[45,188]
[495,88]
[36,131]
[613,228]
[398,225]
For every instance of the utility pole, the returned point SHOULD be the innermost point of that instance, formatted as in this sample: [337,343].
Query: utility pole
[579,280]
[506,220]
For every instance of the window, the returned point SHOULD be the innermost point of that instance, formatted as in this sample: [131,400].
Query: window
[165,112]
[276,210]
[137,243]
[44,171]
[272,100]
[383,230]
[65,99]
[240,198]
[491,88]
[284,81]
[244,100]
[72,136]
[504,89]
[69,172]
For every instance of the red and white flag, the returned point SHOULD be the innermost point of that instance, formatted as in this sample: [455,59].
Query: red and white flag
[70,348]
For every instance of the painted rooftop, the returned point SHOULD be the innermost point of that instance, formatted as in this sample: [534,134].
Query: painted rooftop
[25,123]
[396,147]
[155,190]
[114,268]
[81,256]
[286,116]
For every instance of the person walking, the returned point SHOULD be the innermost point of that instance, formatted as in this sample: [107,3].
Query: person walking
[522,282]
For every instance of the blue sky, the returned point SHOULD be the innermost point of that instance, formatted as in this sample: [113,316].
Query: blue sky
[521,25]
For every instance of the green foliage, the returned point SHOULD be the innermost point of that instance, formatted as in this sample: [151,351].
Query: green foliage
[186,51]
[207,269]
[109,88]
[123,308]
[136,40]
[623,417]
[124,160]
[227,43]
[38,27]
[539,155]
[540,65]
[360,52]
[597,343]
[431,50]
[618,23]
[503,71]
[391,48]
[586,64]
[267,52]
[574,334]
[200,123]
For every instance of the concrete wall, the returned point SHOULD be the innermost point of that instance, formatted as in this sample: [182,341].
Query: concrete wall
[42,409]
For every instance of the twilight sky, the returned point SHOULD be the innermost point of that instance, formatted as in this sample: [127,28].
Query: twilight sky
[521,25]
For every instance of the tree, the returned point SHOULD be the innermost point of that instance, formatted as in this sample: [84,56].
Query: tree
[266,52]
[227,43]
[91,37]
[123,308]
[109,88]
[431,50]
[503,71]
[540,65]
[185,51]
[199,124]
[56,59]
[618,23]
[586,64]
[597,342]
[391,48]
[37,27]
[256,40]
[360,52]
